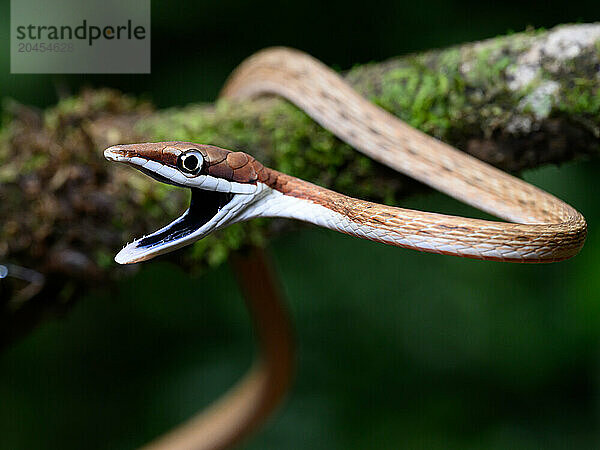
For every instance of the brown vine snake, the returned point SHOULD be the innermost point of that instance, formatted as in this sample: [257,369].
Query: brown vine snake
[229,187]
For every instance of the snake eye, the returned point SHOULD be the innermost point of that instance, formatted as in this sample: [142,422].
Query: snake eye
[190,162]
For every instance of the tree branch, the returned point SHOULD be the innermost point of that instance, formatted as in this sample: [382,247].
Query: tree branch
[516,101]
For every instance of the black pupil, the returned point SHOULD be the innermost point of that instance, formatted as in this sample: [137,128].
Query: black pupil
[190,162]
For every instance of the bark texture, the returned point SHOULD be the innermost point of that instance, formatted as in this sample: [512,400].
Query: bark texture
[517,102]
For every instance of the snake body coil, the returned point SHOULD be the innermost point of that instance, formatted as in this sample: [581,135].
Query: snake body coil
[229,187]
[546,228]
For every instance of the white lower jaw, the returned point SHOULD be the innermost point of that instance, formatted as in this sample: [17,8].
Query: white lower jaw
[133,253]
[241,207]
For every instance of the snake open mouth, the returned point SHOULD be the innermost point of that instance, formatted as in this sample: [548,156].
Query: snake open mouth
[204,205]
[206,209]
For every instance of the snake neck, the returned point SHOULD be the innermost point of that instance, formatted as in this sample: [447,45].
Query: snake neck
[290,197]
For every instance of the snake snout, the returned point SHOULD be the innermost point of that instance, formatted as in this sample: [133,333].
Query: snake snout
[113,153]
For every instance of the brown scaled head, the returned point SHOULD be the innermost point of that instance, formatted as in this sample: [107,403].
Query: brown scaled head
[184,156]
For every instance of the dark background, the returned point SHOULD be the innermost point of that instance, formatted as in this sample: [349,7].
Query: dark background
[396,348]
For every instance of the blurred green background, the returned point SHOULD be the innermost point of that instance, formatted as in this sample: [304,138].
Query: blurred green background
[396,349]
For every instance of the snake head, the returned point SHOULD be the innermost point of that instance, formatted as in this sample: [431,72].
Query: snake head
[223,185]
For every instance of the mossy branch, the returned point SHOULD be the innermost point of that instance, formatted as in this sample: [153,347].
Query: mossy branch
[516,101]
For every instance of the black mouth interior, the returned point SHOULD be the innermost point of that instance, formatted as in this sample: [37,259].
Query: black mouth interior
[158,177]
[204,205]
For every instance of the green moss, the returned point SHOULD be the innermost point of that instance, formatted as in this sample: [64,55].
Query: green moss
[215,248]
[484,69]
[34,163]
[89,104]
[427,98]
[580,90]
[103,259]
[582,98]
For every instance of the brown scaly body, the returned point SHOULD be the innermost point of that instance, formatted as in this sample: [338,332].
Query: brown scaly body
[550,230]
[546,228]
